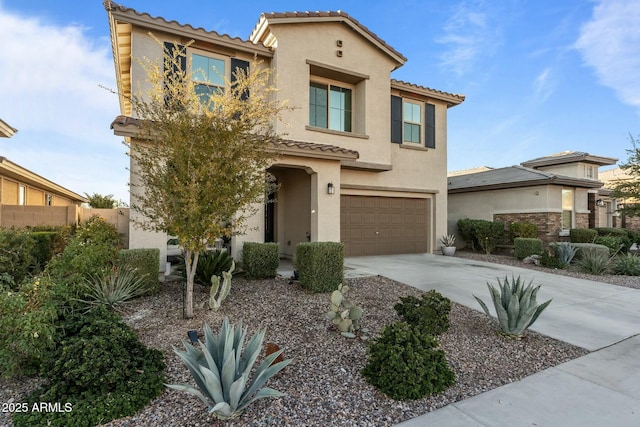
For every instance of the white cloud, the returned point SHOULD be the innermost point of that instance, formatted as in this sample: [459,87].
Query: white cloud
[50,86]
[469,32]
[610,43]
[543,86]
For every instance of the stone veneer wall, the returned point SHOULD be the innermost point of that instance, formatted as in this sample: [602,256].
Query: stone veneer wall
[549,223]
[582,220]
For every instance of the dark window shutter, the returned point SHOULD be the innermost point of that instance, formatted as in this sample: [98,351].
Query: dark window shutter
[429,125]
[174,72]
[396,119]
[237,65]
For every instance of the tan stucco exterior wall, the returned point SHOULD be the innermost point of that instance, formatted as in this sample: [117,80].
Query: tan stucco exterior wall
[526,200]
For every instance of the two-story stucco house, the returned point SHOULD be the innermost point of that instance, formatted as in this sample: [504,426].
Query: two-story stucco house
[364,159]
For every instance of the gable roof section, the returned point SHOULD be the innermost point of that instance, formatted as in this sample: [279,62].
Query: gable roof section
[513,177]
[121,22]
[17,172]
[261,31]
[6,131]
[569,157]
[128,127]
[406,88]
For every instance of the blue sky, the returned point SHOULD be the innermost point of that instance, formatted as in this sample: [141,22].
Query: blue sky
[540,76]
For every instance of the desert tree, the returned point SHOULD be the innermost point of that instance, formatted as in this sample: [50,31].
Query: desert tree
[99,201]
[629,189]
[201,156]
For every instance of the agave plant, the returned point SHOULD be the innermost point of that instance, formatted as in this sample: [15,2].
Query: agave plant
[564,251]
[114,289]
[515,305]
[221,370]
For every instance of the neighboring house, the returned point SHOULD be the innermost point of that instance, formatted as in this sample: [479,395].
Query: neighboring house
[364,159]
[610,177]
[556,192]
[29,199]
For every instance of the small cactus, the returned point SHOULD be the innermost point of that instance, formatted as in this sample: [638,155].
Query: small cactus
[215,301]
[344,315]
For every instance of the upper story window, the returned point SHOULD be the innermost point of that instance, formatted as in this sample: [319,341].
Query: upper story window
[330,106]
[413,122]
[589,172]
[412,116]
[208,74]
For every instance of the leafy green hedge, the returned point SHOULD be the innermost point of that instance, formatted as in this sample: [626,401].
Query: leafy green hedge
[146,263]
[590,247]
[16,256]
[522,229]
[320,265]
[481,233]
[582,235]
[260,260]
[524,247]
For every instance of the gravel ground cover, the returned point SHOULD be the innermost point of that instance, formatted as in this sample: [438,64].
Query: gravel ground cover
[323,383]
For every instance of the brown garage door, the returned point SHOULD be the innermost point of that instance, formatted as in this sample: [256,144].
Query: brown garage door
[383,225]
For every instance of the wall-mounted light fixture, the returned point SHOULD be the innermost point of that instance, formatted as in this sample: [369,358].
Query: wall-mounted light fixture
[330,188]
[600,203]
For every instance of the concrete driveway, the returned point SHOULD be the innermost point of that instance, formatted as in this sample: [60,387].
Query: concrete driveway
[587,314]
[599,389]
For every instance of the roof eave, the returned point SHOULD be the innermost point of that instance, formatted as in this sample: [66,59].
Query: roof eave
[565,181]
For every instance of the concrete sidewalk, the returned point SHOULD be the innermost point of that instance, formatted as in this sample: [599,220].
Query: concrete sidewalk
[600,389]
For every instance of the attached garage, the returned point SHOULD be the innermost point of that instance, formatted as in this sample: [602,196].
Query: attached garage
[371,225]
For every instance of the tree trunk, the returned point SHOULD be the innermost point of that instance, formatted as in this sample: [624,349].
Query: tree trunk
[190,269]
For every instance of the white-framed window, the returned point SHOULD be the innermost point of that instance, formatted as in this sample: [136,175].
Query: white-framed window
[567,208]
[589,172]
[330,105]
[22,195]
[412,122]
[208,72]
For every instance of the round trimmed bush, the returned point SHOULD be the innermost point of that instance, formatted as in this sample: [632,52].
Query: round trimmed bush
[405,363]
[430,313]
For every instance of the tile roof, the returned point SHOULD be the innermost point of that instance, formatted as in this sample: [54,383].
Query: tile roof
[569,157]
[111,7]
[453,98]
[127,126]
[513,177]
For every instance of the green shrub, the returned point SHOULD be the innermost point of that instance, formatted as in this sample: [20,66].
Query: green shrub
[100,368]
[525,247]
[16,254]
[145,263]
[611,231]
[614,243]
[522,229]
[44,244]
[594,261]
[488,234]
[404,362]
[634,236]
[465,230]
[260,260]
[91,252]
[429,313]
[590,247]
[550,260]
[28,324]
[320,265]
[627,264]
[582,235]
